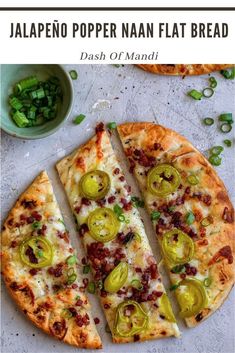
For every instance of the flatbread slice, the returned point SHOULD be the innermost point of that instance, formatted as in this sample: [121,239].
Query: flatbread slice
[39,267]
[125,272]
[183,69]
[191,212]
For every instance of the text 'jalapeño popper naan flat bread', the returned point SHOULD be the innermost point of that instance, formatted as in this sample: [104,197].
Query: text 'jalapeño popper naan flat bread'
[191,212]
[125,272]
[39,267]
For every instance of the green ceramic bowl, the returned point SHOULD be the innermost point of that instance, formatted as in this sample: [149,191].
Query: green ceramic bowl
[11,74]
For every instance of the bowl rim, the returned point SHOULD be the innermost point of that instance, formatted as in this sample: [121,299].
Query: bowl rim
[57,127]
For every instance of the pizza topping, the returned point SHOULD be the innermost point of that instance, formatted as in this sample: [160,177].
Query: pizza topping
[165,308]
[36,252]
[103,224]
[94,185]
[191,296]
[192,179]
[163,180]
[82,320]
[117,278]
[83,229]
[30,204]
[56,271]
[225,252]
[130,319]
[177,247]
[59,329]
[228,215]
[143,159]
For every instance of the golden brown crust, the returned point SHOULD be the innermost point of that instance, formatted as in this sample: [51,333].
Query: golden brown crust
[42,308]
[183,69]
[215,251]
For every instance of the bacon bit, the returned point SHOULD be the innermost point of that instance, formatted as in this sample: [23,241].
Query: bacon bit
[96,320]
[77,209]
[138,269]
[82,320]
[56,287]
[206,199]
[10,222]
[85,282]
[202,231]
[30,204]
[23,217]
[99,128]
[132,165]
[101,202]
[79,302]
[59,329]
[202,242]
[85,201]
[136,338]
[14,286]
[228,215]
[83,229]
[28,293]
[30,220]
[183,275]
[122,178]
[63,235]
[73,311]
[224,252]
[74,286]
[103,293]
[56,271]
[116,171]
[36,216]
[127,206]
[33,271]
[157,146]
[143,159]
[190,270]
[107,306]
[111,199]
[32,258]
[13,244]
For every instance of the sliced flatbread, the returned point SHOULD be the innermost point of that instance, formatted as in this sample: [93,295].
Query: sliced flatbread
[183,69]
[39,267]
[192,215]
[125,271]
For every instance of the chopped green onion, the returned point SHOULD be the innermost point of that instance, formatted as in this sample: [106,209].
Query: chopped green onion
[213,82]
[40,253]
[216,150]
[70,271]
[61,221]
[228,143]
[99,284]
[195,94]
[177,269]
[208,121]
[137,284]
[91,287]
[215,160]
[121,218]
[15,103]
[118,210]
[71,260]
[227,117]
[36,225]
[72,278]
[112,125]
[208,92]
[155,215]
[20,119]
[137,202]
[207,282]
[171,208]
[226,127]
[138,238]
[73,74]
[86,269]
[189,218]
[229,75]
[26,83]
[206,222]
[79,119]
[66,314]
[174,286]
[192,179]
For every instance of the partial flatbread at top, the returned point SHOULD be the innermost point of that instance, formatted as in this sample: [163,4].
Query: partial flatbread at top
[147,145]
[183,69]
[44,294]
[129,245]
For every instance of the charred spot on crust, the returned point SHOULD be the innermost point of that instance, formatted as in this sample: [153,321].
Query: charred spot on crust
[136,338]
[99,127]
[199,317]
[59,329]
[30,204]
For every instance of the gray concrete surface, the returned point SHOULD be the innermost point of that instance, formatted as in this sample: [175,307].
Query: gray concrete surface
[106,93]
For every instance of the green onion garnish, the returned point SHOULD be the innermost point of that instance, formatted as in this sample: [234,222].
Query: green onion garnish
[91,287]
[207,282]
[208,121]
[137,284]
[192,179]
[213,82]
[171,208]
[177,269]
[225,128]
[15,103]
[174,286]
[26,83]
[208,92]
[112,125]
[121,218]
[73,74]
[20,119]
[227,117]
[155,215]
[216,150]
[228,143]
[36,225]
[138,238]
[189,218]
[66,314]
[215,160]
[79,119]
[229,75]
[40,253]
[137,202]
[71,260]
[205,222]
[72,278]
[195,94]
[86,269]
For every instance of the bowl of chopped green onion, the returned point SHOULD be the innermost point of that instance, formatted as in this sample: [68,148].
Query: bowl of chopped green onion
[35,99]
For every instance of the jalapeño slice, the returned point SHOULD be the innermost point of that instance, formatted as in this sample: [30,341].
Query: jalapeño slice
[191,296]
[165,308]
[36,252]
[130,319]
[163,180]
[94,185]
[177,247]
[103,224]
[117,278]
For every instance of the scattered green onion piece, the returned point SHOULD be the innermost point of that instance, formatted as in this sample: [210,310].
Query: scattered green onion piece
[155,215]
[112,125]
[229,75]
[207,282]
[137,284]
[228,143]
[215,160]
[121,218]
[66,314]
[213,82]
[79,119]
[189,218]
[195,94]
[227,117]
[192,179]
[137,202]
[208,92]
[177,269]
[71,260]
[117,210]
[91,287]
[171,208]
[72,278]
[99,284]
[73,74]
[174,286]
[138,238]
[216,150]
[205,222]
[86,269]
[61,221]
[40,253]
[208,121]
[20,119]
[36,225]
[225,128]
[127,221]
